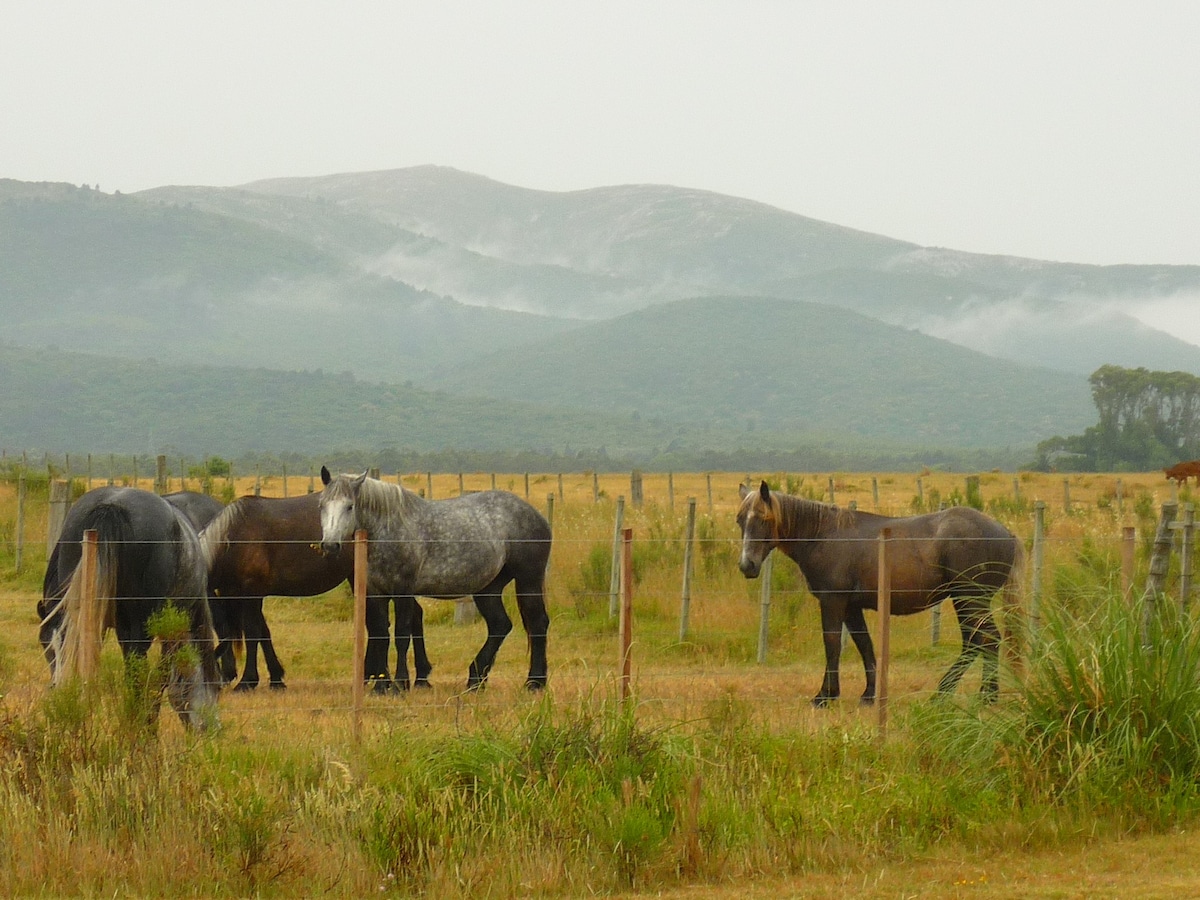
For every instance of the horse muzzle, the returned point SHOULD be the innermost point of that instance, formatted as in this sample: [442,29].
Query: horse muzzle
[749,567]
[328,548]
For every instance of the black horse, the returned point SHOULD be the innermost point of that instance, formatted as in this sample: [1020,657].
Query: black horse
[958,554]
[268,546]
[148,554]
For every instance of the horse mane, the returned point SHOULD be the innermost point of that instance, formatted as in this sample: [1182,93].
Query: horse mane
[215,536]
[792,516]
[383,499]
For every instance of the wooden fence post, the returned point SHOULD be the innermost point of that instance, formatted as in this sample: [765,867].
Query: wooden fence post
[764,609]
[1160,560]
[160,474]
[1039,551]
[1128,547]
[60,500]
[626,621]
[88,652]
[884,604]
[1185,557]
[614,581]
[20,536]
[360,627]
[689,540]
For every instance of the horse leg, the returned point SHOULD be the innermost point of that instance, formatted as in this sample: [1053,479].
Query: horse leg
[531,603]
[420,659]
[375,660]
[857,626]
[252,627]
[274,666]
[973,622]
[403,636]
[490,604]
[833,616]
[227,625]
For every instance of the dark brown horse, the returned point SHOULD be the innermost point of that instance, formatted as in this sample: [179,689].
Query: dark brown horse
[957,554]
[269,546]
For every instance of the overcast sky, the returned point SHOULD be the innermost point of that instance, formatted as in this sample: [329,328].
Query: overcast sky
[1064,131]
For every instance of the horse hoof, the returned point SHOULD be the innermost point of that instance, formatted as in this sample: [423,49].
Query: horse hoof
[423,684]
[866,701]
[382,686]
[245,686]
[821,702]
[278,686]
[535,685]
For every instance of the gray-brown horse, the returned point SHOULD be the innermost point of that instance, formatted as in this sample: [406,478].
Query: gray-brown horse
[957,554]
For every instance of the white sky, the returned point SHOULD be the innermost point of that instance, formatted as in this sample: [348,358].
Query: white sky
[1065,131]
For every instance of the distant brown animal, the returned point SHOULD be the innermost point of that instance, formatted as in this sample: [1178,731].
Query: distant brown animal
[1181,472]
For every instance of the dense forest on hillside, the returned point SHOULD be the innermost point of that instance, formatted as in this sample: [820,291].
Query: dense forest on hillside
[80,404]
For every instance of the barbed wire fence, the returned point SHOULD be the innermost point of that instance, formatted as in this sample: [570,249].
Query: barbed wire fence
[1171,530]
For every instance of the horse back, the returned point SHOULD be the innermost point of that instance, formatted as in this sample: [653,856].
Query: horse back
[931,557]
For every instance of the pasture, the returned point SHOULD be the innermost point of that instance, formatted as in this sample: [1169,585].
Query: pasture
[717,776]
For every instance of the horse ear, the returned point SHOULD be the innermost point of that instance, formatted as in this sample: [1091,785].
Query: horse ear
[764,492]
[325,477]
[358,482]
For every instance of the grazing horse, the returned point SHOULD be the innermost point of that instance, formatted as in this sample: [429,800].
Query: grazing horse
[268,546]
[470,545]
[958,553]
[148,555]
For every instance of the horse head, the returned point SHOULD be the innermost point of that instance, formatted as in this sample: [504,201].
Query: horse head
[758,518]
[339,516]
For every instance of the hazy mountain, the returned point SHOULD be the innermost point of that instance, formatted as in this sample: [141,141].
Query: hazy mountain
[650,244]
[681,318]
[276,285]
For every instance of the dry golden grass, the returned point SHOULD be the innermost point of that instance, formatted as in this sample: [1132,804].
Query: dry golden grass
[675,682]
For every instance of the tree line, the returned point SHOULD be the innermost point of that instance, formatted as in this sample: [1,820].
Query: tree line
[1148,420]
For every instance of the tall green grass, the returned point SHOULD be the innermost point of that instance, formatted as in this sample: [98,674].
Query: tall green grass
[1106,722]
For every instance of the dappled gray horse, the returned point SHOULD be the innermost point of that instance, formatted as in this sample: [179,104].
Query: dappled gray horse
[472,545]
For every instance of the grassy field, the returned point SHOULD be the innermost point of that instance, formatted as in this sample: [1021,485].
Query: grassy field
[717,778]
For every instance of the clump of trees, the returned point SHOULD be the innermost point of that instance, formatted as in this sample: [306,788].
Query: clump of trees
[1148,420]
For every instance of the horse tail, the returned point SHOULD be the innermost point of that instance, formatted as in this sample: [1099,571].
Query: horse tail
[114,544]
[1012,604]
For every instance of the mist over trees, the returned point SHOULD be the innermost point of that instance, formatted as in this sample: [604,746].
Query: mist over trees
[1148,420]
